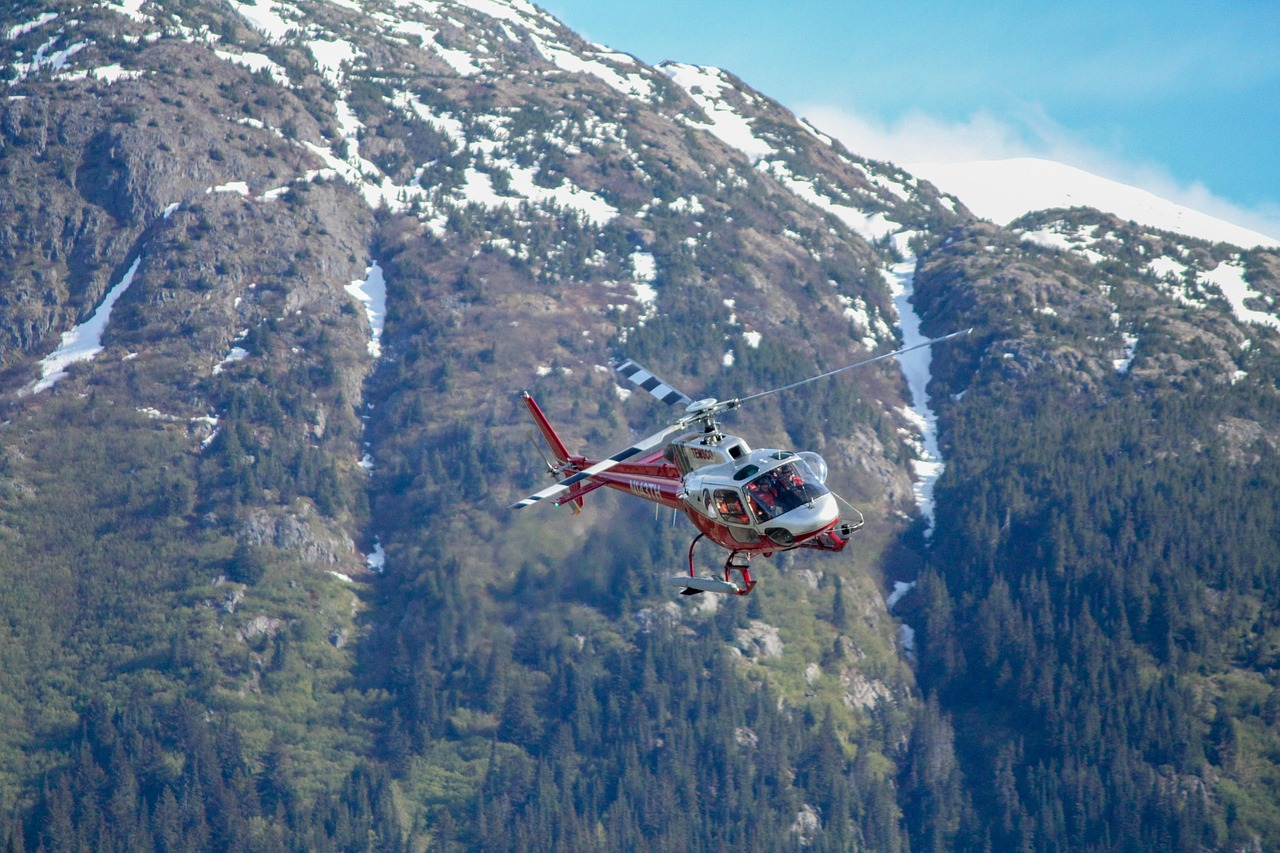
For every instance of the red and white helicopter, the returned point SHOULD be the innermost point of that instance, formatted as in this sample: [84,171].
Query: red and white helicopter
[750,502]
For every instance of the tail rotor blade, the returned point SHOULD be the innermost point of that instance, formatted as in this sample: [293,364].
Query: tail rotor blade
[551,469]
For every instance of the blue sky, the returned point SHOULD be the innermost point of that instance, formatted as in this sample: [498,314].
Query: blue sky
[1181,98]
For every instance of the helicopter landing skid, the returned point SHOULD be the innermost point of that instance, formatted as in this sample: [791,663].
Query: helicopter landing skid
[738,561]
[742,567]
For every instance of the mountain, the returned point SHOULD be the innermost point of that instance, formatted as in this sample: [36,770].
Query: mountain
[1003,190]
[274,275]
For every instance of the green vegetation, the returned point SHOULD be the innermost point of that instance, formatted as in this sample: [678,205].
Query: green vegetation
[144,709]
[1099,619]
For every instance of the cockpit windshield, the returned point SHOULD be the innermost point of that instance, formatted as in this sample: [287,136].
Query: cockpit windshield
[782,489]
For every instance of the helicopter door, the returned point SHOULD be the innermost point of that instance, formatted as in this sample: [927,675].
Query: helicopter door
[733,512]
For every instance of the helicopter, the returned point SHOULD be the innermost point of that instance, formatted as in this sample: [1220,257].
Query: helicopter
[749,502]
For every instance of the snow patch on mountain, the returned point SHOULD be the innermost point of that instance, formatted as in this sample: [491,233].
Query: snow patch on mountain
[644,272]
[265,17]
[516,12]
[1167,267]
[256,62]
[371,291]
[631,83]
[22,29]
[129,8]
[238,187]
[566,195]
[108,74]
[1229,277]
[236,354]
[47,57]
[866,321]
[376,561]
[1065,238]
[441,121]
[330,55]
[917,368]
[710,89]
[707,87]
[870,226]
[900,589]
[1130,347]
[84,341]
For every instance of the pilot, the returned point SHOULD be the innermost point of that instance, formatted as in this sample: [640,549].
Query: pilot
[764,495]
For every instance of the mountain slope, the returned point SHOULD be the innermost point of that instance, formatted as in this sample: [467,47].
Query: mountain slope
[305,254]
[197,191]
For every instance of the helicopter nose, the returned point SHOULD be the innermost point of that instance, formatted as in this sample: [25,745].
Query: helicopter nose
[803,521]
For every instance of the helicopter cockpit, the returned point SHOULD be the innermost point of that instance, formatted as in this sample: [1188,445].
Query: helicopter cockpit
[777,491]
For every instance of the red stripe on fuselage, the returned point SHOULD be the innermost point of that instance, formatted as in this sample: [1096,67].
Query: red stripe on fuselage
[651,478]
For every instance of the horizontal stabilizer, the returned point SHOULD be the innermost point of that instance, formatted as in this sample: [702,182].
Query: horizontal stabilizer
[694,584]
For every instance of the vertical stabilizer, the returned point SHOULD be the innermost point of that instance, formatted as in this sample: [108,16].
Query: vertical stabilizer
[544,426]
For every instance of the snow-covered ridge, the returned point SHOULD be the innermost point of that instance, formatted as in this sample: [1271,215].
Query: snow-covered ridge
[1003,190]
[1180,273]
[716,95]
[707,88]
[487,141]
[496,179]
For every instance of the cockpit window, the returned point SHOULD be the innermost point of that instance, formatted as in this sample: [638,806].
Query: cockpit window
[729,506]
[783,489]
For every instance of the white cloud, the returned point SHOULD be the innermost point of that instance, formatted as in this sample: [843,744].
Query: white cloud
[920,138]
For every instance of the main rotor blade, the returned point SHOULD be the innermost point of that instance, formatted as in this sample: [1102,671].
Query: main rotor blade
[859,364]
[639,376]
[642,446]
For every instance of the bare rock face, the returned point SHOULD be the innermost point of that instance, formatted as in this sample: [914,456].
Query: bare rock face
[861,692]
[302,533]
[807,825]
[759,641]
[260,625]
[864,452]
[1245,440]
[57,245]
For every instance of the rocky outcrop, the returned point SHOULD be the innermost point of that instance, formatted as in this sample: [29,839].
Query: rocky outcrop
[300,532]
[759,641]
